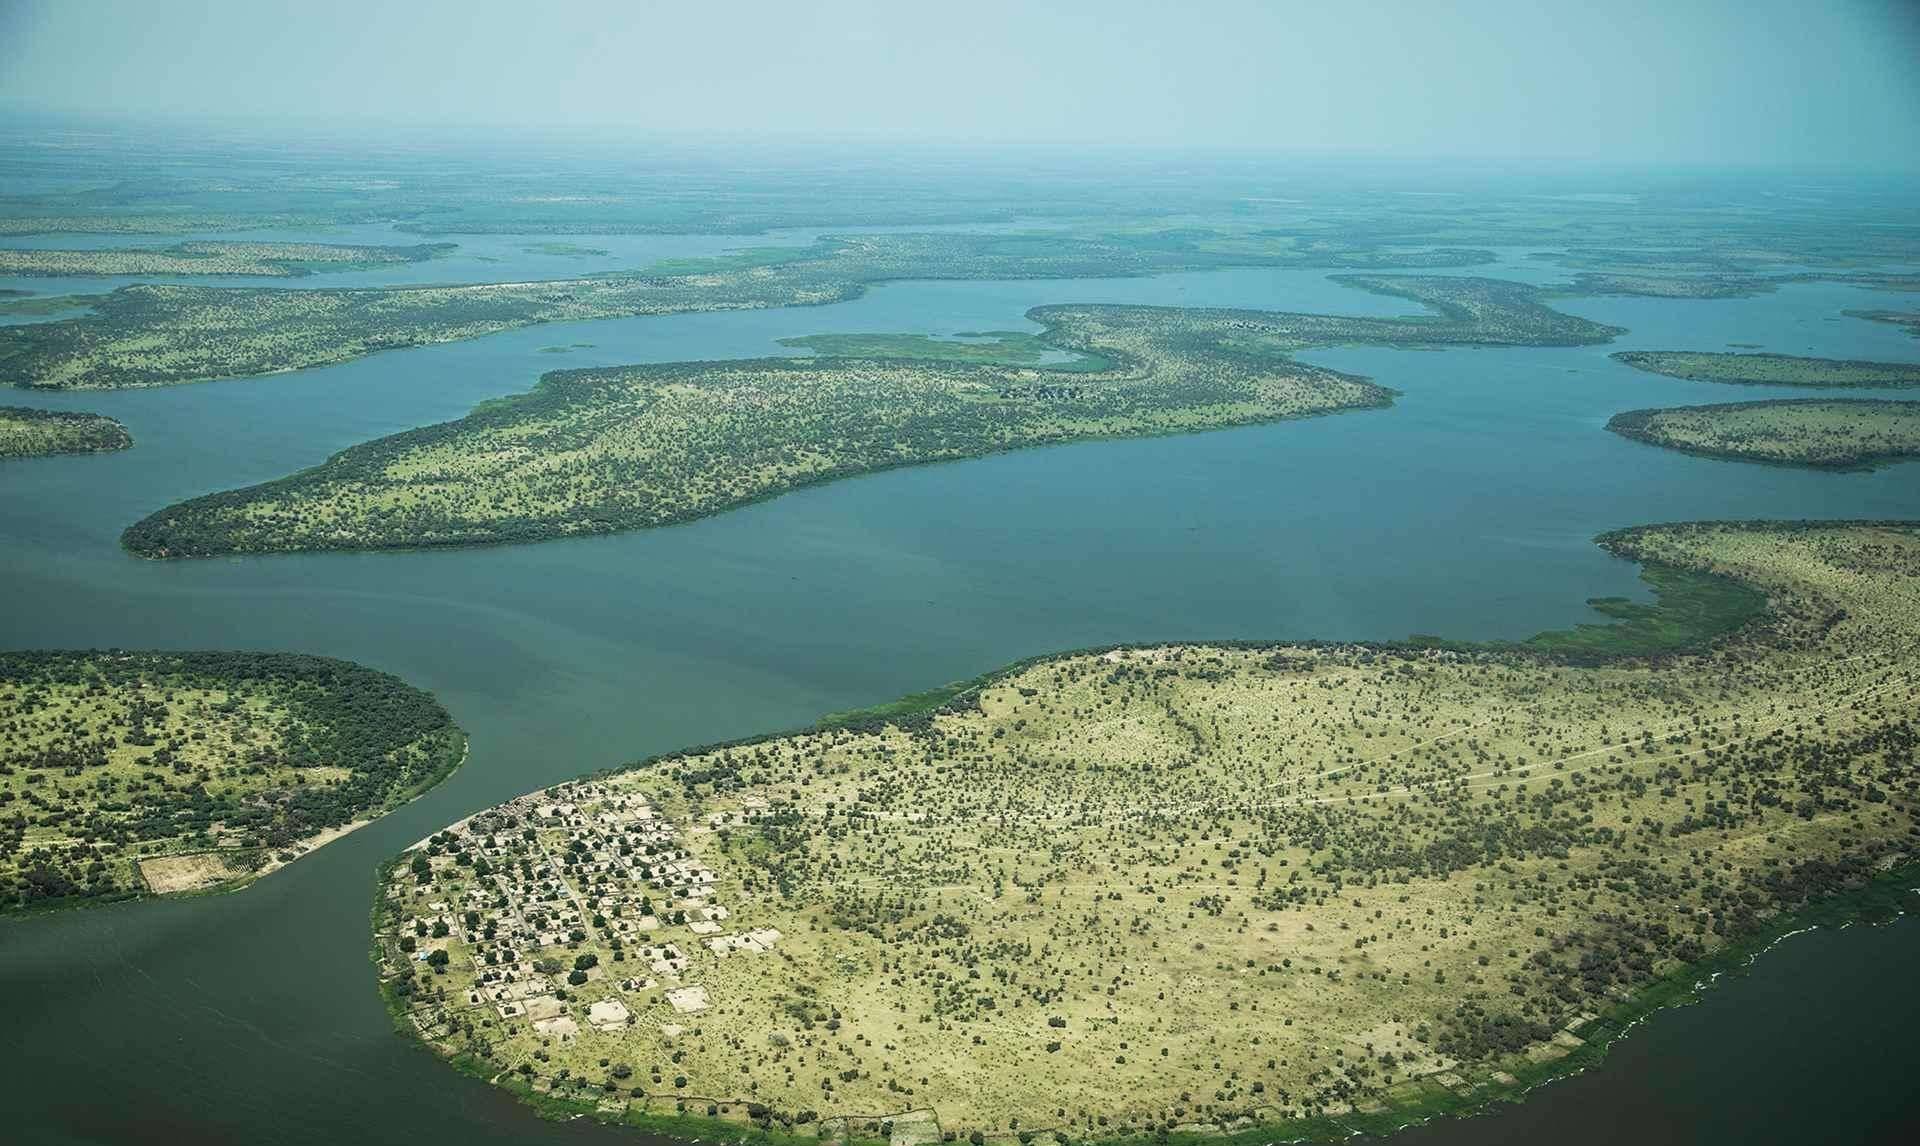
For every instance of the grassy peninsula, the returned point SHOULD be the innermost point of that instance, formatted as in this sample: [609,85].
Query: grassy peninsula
[156,334]
[598,451]
[26,432]
[123,774]
[1835,433]
[1771,369]
[1262,891]
[273,260]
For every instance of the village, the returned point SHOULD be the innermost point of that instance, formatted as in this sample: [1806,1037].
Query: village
[531,894]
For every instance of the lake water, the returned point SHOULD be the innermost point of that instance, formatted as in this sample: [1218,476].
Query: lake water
[1467,509]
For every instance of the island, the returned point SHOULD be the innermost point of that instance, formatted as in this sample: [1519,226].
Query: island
[214,257]
[1828,433]
[1247,891]
[599,451]
[148,773]
[1771,369]
[28,433]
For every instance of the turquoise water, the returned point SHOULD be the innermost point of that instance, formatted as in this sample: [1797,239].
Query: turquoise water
[1467,509]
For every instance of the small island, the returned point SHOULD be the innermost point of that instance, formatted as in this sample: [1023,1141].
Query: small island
[1255,892]
[27,433]
[134,773]
[1771,369]
[1827,433]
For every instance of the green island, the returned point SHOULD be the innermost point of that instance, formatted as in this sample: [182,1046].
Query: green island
[1908,320]
[26,433]
[161,334]
[1827,433]
[135,773]
[1193,891]
[597,451]
[1771,369]
[215,258]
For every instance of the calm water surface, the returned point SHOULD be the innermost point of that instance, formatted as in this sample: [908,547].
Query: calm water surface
[1467,509]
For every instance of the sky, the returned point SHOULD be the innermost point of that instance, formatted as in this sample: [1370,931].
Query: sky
[1832,83]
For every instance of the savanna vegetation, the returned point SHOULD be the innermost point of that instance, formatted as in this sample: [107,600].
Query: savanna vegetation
[1187,888]
[129,773]
[1839,433]
[26,432]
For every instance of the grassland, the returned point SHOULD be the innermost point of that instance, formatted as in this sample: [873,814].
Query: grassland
[274,260]
[26,433]
[1771,369]
[124,774]
[597,451]
[1200,889]
[1827,433]
[155,335]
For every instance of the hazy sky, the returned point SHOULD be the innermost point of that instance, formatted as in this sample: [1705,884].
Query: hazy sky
[1745,81]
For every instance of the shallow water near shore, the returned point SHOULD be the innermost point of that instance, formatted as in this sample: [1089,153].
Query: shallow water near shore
[1468,509]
